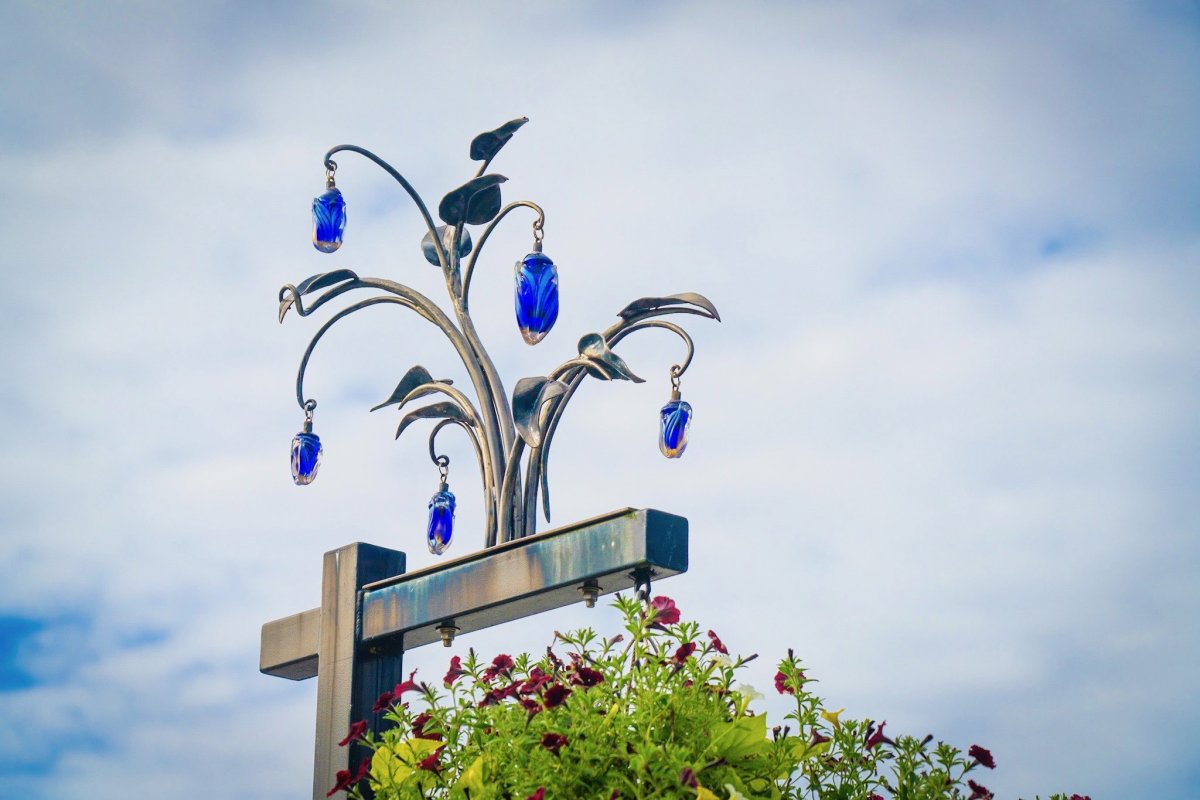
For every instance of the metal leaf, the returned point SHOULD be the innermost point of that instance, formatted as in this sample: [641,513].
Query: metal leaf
[651,303]
[485,146]
[484,206]
[411,380]
[456,207]
[446,410]
[323,279]
[603,362]
[528,396]
[446,234]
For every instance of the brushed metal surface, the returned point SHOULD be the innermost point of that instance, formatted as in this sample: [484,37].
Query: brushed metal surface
[524,576]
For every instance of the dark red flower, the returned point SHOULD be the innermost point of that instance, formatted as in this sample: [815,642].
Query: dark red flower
[982,755]
[530,705]
[1080,797]
[665,612]
[553,742]
[781,685]
[586,676]
[688,778]
[537,679]
[874,737]
[540,794]
[418,728]
[345,780]
[430,762]
[407,686]
[875,797]
[501,663]
[555,660]
[717,644]
[499,693]
[357,729]
[620,637]
[382,702]
[454,673]
[979,792]
[615,794]
[684,652]
[818,738]
[556,695]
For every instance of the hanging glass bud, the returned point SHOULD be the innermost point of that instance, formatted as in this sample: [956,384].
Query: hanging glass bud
[441,520]
[306,450]
[329,217]
[676,419]
[536,295]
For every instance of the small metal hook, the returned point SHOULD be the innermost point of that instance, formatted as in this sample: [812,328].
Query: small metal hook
[641,584]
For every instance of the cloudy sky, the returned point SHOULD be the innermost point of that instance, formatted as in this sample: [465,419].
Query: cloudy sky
[946,441]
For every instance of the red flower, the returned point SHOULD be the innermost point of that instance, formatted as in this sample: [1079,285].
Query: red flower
[688,778]
[418,728]
[430,762]
[537,679]
[684,652]
[540,794]
[407,686]
[781,684]
[615,794]
[357,729]
[1080,797]
[665,612]
[501,663]
[979,792]
[586,676]
[717,644]
[553,742]
[499,693]
[454,673]
[556,695]
[875,737]
[982,755]
[555,660]
[382,702]
[345,780]
[818,738]
[532,706]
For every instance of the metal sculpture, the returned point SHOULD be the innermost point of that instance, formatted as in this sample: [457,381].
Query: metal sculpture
[500,431]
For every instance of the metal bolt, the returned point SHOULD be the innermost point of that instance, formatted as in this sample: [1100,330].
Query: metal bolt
[590,592]
[447,631]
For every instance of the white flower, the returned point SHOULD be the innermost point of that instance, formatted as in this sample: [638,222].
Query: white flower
[734,794]
[749,693]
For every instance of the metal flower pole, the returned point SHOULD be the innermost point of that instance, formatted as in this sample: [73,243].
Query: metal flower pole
[511,437]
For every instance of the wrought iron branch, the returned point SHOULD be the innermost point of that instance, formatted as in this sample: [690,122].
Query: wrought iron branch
[499,430]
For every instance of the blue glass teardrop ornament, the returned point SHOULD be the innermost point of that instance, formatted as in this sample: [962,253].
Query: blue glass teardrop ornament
[306,457]
[329,220]
[536,296]
[441,521]
[676,420]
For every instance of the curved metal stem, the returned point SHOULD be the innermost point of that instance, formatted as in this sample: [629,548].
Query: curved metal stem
[484,471]
[575,371]
[416,198]
[470,270]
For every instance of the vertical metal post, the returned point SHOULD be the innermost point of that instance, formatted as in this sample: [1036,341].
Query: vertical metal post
[349,678]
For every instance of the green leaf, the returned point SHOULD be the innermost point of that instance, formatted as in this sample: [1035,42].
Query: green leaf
[741,738]
[485,146]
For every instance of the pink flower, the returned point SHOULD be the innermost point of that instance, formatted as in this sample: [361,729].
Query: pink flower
[717,644]
[982,755]
[553,742]
[540,794]
[357,729]
[556,695]
[665,612]
[406,686]
[454,673]
[501,663]
[684,652]
[382,702]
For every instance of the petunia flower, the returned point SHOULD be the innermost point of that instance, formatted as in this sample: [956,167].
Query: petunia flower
[430,762]
[688,778]
[832,717]
[382,702]
[407,686]
[586,676]
[665,612]
[537,679]
[817,738]
[501,663]
[982,755]
[553,742]
[540,794]
[555,696]
[357,729]
[345,780]
[454,673]
[781,684]
[684,653]
[717,644]
[418,727]
[979,792]
[874,737]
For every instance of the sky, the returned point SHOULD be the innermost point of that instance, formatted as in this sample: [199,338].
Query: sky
[946,441]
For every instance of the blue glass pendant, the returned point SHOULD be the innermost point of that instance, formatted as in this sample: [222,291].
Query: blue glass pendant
[536,295]
[676,420]
[441,520]
[329,220]
[306,457]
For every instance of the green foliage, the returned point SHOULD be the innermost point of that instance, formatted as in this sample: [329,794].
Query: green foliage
[652,713]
